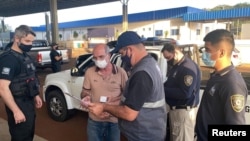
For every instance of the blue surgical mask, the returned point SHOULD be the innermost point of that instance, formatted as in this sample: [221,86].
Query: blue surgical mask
[206,58]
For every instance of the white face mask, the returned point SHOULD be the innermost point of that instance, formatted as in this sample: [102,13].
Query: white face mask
[101,63]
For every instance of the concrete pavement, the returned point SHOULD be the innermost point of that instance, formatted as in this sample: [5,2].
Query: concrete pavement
[4,132]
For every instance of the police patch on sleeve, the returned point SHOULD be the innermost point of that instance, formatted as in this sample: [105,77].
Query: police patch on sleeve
[6,71]
[237,102]
[188,80]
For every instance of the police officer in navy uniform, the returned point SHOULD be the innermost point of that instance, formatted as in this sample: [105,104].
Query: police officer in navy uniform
[19,86]
[224,98]
[181,93]
[55,57]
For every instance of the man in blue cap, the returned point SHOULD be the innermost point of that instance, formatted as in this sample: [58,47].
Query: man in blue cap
[142,114]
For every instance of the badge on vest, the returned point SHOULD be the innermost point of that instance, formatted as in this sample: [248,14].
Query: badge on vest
[238,102]
[188,80]
[6,71]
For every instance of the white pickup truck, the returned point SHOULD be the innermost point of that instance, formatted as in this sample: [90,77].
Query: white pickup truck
[40,53]
[61,91]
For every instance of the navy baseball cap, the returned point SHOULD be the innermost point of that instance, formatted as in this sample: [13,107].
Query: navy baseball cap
[127,38]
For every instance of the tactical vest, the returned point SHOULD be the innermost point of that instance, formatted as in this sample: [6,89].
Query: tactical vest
[150,123]
[25,83]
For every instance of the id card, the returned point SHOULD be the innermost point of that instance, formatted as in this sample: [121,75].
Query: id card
[103,99]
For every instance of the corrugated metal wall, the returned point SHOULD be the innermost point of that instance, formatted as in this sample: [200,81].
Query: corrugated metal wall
[221,14]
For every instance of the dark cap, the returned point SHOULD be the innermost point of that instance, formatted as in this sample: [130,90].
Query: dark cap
[53,44]
[127,38]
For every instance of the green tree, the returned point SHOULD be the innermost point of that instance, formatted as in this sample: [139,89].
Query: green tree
[75,34]
[7,28]
[166,34]
[60,36]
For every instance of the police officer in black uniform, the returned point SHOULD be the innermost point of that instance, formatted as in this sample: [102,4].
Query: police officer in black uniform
[55,57]
[181,93]
[225,95]
[19,86]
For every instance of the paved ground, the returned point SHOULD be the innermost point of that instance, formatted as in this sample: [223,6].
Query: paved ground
[5,136]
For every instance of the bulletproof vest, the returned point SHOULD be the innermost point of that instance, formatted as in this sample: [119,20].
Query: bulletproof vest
[153,108]
[25,83]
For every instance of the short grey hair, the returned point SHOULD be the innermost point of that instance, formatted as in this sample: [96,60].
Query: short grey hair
[107,49]
[23,31]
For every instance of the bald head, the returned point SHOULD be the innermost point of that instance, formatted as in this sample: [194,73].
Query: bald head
[101,47]
[101,52]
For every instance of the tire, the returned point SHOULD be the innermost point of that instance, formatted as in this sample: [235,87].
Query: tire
[57,106]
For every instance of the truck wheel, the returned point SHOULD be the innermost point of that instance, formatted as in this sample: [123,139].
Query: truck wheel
[57,106]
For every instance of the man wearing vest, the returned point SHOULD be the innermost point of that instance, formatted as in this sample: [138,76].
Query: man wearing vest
[142,114]
[19,86]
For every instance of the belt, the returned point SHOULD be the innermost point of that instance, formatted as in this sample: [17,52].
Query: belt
[182,107]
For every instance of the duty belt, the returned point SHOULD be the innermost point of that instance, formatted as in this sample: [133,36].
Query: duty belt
[182,107]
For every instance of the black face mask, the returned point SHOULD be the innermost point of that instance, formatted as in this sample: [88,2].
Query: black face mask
[56,48]
[25,48]
[171,62]
[127,61]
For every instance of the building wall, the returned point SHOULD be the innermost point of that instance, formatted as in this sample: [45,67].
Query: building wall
[245,29]
[176,28]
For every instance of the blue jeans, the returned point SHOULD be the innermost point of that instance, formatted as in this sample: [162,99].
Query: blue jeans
[103,131]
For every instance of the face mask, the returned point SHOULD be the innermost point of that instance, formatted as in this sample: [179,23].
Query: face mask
[127,60]
[207,60]
[25,48]
[56,48]
[101,63]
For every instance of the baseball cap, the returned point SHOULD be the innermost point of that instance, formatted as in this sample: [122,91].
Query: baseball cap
[53,44]
[127,38]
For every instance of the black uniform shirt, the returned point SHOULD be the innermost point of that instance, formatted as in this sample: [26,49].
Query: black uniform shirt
[139,89]
[9,67]
[53,54]
[183,84]
[223,101]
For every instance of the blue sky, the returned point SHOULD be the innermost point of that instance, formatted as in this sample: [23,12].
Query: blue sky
[112,9]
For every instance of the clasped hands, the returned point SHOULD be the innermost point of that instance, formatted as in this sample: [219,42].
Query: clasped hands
[95,108]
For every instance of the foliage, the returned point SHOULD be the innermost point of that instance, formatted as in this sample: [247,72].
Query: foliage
[84,37]
[224,6]
[60,36]
[75,34]
[166,34]
[7,28]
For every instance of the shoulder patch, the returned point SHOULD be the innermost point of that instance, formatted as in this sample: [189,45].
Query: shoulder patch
[237,102]
[188,80]
[6,71]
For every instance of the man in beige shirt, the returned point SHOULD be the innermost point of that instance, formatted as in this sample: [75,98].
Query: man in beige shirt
[104,83]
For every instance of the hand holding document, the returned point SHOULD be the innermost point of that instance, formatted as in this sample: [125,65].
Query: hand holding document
[85,101]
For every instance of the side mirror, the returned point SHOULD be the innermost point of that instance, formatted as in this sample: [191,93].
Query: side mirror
[75,72]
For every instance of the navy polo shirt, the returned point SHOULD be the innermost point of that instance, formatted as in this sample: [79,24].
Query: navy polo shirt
[183,84]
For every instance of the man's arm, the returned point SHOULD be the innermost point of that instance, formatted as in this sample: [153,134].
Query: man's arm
[9,101]
[120,111]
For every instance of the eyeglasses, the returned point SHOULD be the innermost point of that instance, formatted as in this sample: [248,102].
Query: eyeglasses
[101,57]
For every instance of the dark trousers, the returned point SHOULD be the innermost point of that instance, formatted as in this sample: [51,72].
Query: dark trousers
[56,66]
[23,131]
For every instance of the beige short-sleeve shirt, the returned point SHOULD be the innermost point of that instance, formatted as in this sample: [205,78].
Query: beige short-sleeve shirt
[110,87]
